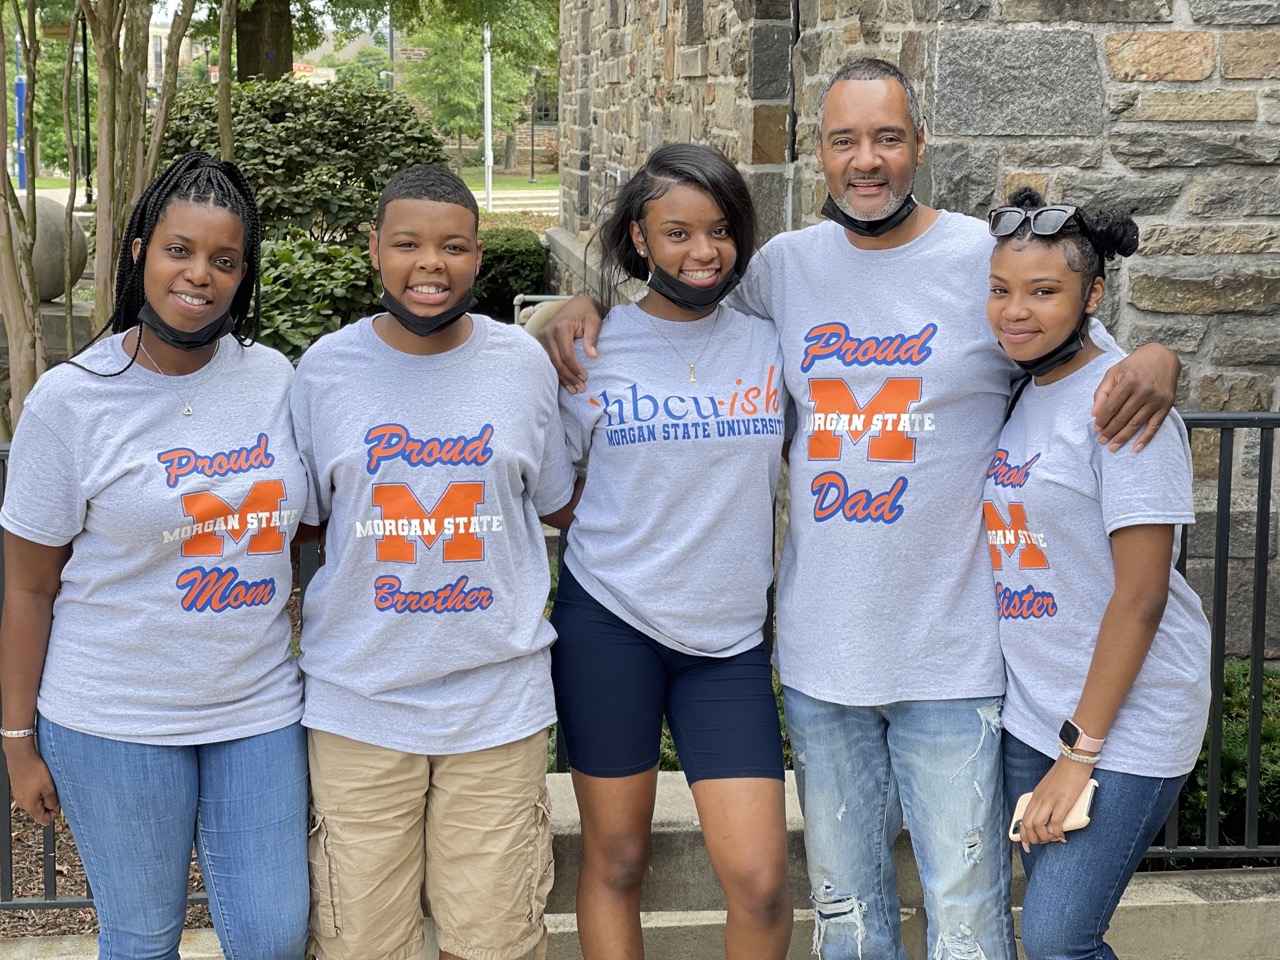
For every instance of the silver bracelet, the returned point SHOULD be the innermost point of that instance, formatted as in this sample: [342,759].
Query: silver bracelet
[17,734]
[1077,757]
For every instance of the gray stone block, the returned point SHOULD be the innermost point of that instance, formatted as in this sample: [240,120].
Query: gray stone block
[1235,11]
[769,191]
[1088,11]
[763,9]
[695,21]
[964,178]
[1209,146]
[770,53]
[1181,334]
[1042,83]
[962,10]
[1238,605]
[1235,194]
[1153,193]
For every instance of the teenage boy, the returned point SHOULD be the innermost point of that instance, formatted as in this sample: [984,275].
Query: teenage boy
[433,441]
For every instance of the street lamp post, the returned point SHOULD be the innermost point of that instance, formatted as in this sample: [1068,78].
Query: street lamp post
[533,106]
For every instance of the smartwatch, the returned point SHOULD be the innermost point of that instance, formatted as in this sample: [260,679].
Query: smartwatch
[1073,738]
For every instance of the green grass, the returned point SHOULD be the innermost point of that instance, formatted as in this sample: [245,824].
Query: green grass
[47,183]
[473,177]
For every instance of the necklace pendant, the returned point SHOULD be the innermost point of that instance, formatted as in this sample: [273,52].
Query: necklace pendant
[186,410]
[692,377]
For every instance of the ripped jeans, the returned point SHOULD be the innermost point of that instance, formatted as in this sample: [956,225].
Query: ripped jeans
[859,770]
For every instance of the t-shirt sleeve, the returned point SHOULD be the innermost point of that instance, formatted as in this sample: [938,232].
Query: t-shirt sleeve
[576,413]
[43,499]
[320,499]
[552,486]
[751,295]
[1151,486]
[1102,337]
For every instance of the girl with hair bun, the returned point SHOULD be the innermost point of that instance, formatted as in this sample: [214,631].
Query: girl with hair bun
[662,595]
[1106,647]
[148,687]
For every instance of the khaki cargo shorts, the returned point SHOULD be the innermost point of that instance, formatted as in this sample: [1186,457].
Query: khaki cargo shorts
[465,838]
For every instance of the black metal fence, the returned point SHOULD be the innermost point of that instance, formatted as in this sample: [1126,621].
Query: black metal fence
[1255,480]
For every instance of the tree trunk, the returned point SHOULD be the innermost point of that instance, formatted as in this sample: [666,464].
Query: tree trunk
[226,133]
[509,151]
[264,41]
[19,301]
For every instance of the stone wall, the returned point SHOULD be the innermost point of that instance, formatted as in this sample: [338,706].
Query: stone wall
[1169,106]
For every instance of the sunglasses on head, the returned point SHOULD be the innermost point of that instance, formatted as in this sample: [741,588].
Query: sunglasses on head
[1045,221]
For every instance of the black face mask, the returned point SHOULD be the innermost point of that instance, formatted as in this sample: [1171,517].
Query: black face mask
[425,326]
[206,336]
[868,228]
[686,296]
[1048,362]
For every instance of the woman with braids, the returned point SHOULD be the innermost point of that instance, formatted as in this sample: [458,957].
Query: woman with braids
[1106,648]
[147,684]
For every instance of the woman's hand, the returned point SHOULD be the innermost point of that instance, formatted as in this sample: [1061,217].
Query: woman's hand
[1051,801]
[1136,394]
[578,319]
[30,780]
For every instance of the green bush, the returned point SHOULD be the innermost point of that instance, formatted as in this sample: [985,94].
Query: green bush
[1235,765]
[316,156]
[515,261]
[310,288]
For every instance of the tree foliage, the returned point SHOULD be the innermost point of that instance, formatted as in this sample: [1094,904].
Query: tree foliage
[317,156]
[449,81]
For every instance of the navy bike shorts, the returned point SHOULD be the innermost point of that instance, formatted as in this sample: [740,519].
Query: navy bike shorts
[614,684]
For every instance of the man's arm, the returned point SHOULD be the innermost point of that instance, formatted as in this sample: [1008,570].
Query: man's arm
[579,319]
[1136,395]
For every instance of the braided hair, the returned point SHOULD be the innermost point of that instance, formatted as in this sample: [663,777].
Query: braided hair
[193,178]
[1105,235]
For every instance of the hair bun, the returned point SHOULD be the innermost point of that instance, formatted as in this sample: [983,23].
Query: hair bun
[1114,233]
[1027,198]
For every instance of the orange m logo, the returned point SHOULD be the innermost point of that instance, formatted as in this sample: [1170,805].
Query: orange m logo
[1011,537]
[404,520]
[212,517]
[841,413]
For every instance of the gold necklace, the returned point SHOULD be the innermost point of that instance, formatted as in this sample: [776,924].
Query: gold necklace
[693,376]
[186,401]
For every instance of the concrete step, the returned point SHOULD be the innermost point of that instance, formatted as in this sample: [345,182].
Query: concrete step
[529,201]
[1183,915]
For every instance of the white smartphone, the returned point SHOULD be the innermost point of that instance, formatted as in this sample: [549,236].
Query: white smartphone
[1077,816]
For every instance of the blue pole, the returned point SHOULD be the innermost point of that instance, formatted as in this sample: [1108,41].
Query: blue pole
[20,95]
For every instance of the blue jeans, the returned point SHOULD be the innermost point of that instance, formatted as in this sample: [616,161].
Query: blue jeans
[1073,887]
[859,769]
[135,810]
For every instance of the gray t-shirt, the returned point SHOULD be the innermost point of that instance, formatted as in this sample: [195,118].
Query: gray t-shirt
[900,390]
[170,627]
[423,631]
[674,531]
[1054,496]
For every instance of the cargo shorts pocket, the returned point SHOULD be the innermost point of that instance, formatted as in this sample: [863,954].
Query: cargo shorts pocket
[541,871]
[326,907]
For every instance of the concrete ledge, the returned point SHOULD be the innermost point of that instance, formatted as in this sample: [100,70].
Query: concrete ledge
[1184,915]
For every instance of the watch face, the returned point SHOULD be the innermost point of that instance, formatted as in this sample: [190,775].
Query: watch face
[1069,734]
